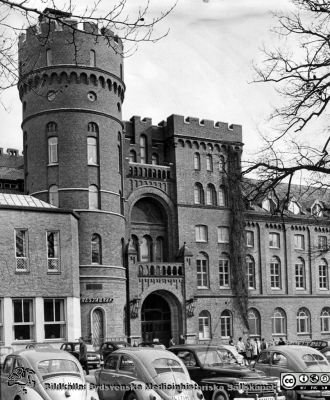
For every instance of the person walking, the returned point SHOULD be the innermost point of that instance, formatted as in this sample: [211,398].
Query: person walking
[263,345]
[281,342]
[240,346]
[255,349]
[83,355]
[248,351]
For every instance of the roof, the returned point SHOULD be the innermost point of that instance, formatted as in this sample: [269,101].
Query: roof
[22,200]
[36,355]
[294,349]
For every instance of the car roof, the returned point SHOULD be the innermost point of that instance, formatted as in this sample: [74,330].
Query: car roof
[194,347]
[36,355]
[293,349]
[115,342]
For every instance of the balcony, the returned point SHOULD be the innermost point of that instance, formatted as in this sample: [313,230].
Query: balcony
[160,274]
[143,171]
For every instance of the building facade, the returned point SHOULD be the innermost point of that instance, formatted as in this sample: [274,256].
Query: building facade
[151,211]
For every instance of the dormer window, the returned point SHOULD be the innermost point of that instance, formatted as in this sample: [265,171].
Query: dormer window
[317,210]
[294,207]
[269,205]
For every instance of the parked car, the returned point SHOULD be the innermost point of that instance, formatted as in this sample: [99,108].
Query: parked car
[231,354]
[39,346]
[131,368]
[108,347]
[293,358]
[4,351]
[221,380]
[155,345]
[319,344]
[93,357]
[326,352]
[42,374]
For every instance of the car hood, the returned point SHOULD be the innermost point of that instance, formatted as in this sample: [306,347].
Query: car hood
[173,384]
[62,387]
[234,370]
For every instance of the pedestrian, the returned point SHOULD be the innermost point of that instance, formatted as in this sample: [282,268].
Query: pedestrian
[255,350]
[263,345]
[83,355]
[182,340]
[171,342]
[248,351]
[281,342]
[240,346]
[231,341]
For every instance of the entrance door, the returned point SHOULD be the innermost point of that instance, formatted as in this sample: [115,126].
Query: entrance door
[97,327]
[156,319]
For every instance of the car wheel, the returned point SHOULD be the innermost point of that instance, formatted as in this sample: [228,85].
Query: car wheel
[221,395]
[131,396]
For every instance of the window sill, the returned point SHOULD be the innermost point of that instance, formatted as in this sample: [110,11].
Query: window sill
[53,272]
[203,288]
[201,241]
[93,165]
[223,242]
[20,272]
[274,247]
[52,165]
[275,288]
[224,287]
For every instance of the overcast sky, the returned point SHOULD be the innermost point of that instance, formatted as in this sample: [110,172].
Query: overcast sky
[201,69]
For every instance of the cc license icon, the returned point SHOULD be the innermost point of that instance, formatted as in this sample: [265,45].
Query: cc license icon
[288,381]
[324,378]
[303,378]
[314,378]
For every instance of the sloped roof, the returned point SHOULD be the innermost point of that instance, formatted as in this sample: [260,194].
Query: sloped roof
[22,200]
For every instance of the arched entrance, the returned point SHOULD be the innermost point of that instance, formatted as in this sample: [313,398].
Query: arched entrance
[97,327]
[160,317]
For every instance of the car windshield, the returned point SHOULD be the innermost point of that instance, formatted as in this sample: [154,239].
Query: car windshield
[164,365]
[209,357]
[62,367]
[314,359]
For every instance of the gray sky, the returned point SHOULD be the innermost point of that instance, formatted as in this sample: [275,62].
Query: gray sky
[201,69]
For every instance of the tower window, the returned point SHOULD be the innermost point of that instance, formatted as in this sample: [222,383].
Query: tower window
[96,249]
[52,150]
[49,57]
[92,158]
[94,203]
[92,58]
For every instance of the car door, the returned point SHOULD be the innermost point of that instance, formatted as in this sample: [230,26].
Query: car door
[263,362]
[278,363]
[127,372]
[108,378]
[190,361]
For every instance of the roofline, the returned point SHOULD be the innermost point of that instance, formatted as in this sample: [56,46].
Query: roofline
[40,209]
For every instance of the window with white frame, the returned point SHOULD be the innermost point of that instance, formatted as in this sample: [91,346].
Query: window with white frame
[274,240]
[249,235]
[53,195]
[53,251]
[202,271]
[299,242]
[279,322]
[223,234]
[54,317]
[254,322]
[96,249]
[303,321]
[209,163]
[226,322]
[197,161]
[224,272]
[300,275]
[325,320]
[323,275]
[198,194]
[204,325]
[211,195]
[251,273]
[92,158]
[52,150]
[93,197]
[275,273]
[222,164]
[21,250]
[222,196]
[201,233]
[322,242]
[23,319]
[294,207]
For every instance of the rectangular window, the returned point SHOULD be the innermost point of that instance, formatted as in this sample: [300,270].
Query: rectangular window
[202,274]
[223,234]
[23,319]
[52,150]
[249,235]
[204,328]
[201,233]
[274,240]
[300,276]
[1,321]
[54,318]
[322,242]
[21,250]
[53,251]
[323,276]
[275,276]
[92,151]
[299,242]
[224,273]
[251,274]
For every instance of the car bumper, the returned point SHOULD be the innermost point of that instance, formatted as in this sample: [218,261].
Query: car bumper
[260,398]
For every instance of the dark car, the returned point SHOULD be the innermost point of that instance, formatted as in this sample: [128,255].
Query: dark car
[292,358]
[39,346]
[319,344]
[108,347]
[93,358]
[221,380]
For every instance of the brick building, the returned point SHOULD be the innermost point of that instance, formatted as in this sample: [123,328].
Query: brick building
[151,209]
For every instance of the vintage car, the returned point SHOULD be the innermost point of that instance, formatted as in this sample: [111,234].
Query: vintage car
[39,346]
[221,380]
[319,344]
[4,351]
[93,357]
[144,373]
[108,347]
[293,358]
[44,374]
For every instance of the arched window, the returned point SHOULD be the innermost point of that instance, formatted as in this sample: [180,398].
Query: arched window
[300,274]
[211,195]
[226,324]
[198,194]
[323,274]
[303,320]
[51,127]
[222,164]
[325,320]
[254,322]
[204,325]
[92,127]
[197,161]
[49,57]
[159,249]
[53,195]
[222,196]
[132,156]
[275,273]
[92,153]
[146,249]
[279,322]
[135,244]
[154,159]
[93,197]
[92,59]
[251,273]
[209,162]
[52,150]
[96,249]
[202,266]
[143,149]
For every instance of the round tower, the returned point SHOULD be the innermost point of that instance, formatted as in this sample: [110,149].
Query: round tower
[72,89]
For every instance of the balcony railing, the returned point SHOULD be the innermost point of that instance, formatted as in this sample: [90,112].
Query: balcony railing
[137,170]
[150,269]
